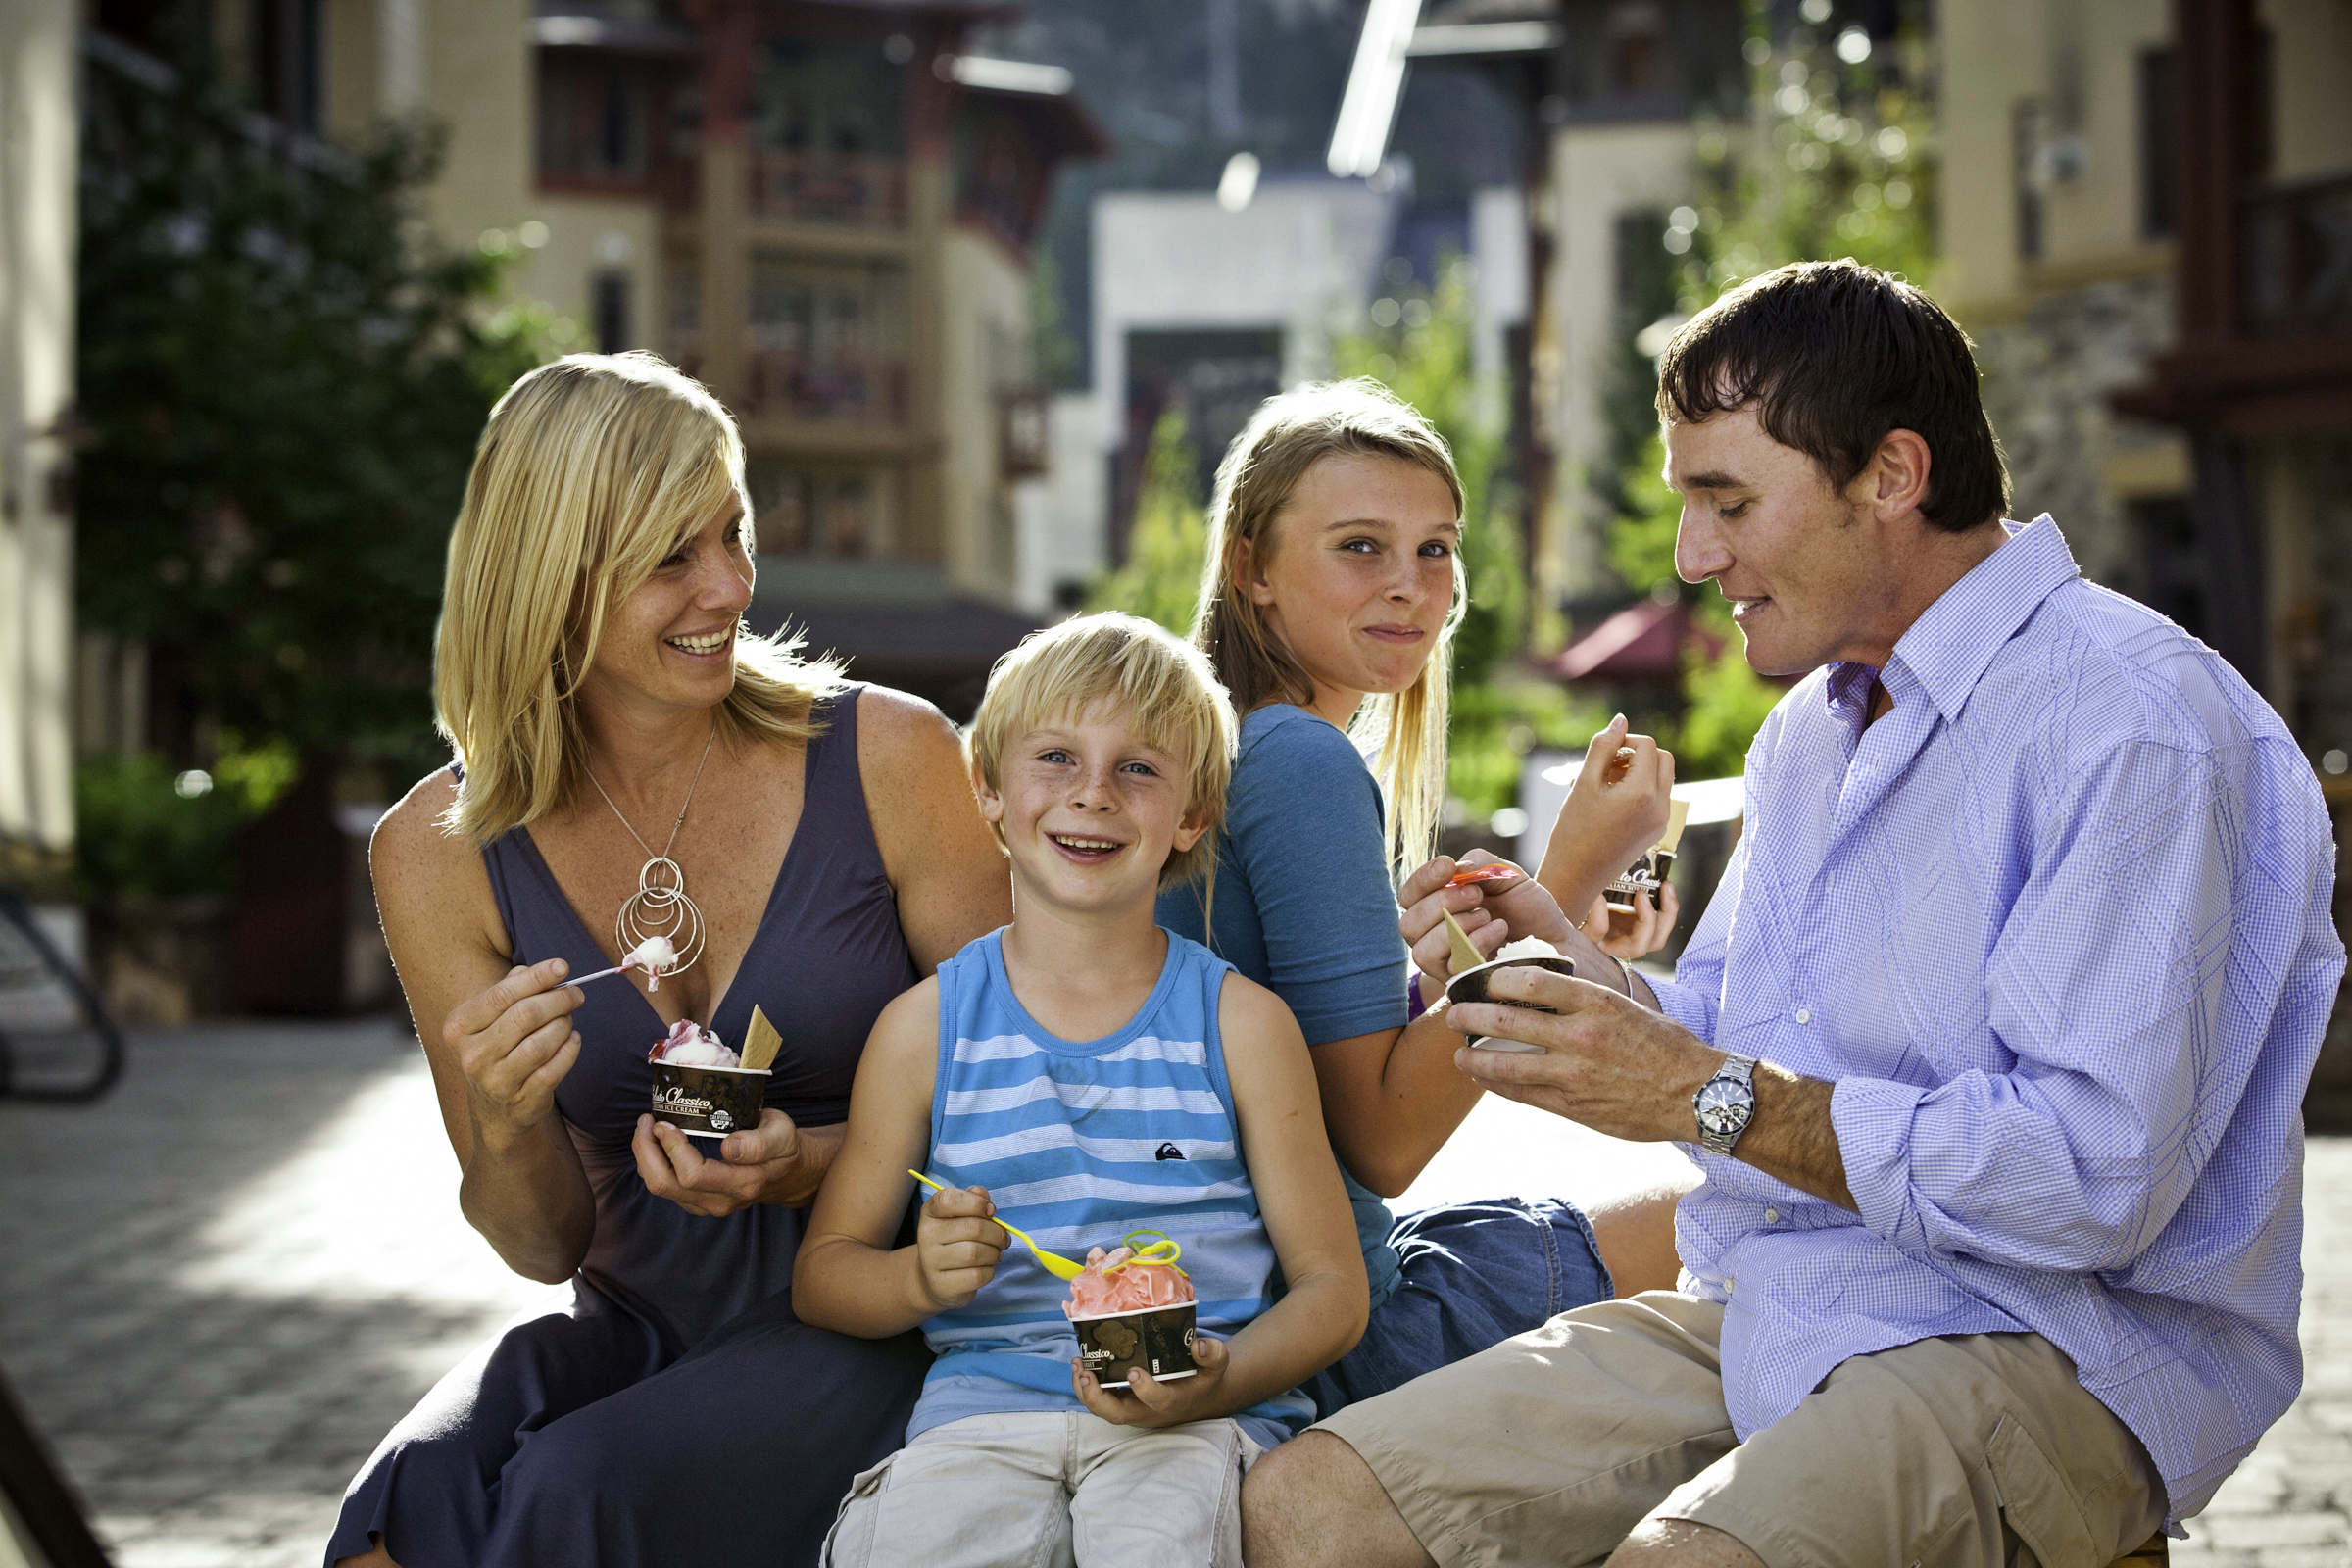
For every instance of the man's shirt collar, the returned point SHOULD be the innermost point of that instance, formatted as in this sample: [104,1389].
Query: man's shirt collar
[1947,650]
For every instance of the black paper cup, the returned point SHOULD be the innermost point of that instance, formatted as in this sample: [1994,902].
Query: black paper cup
[1644,876]
[1156,1339]
[1471,985]
[708,1101]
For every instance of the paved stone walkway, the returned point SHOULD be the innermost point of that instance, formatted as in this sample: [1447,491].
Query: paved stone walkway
[222,1284]
[219,1287]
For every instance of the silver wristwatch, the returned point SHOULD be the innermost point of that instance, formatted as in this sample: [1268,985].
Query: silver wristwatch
[1725,1103]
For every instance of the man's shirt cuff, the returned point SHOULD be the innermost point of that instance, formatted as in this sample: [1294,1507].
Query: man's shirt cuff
[1685,1005]
[1871,1118]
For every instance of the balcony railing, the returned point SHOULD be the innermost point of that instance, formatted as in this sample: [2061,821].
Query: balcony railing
[800,386]
[861,189]
[2298,258]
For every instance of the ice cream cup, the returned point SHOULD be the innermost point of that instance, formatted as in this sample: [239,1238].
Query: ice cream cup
[708,1101]
[1156,1339]
[1644,876]
[1471,985]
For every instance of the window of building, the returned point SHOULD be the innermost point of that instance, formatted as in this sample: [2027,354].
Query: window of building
[608,304]
[594,112]
[1000,170]
[830,513]
[828,96]
[156,26]
[828,342]
[1637,48]
[2156,137]
[827,124]
[2169,575]
[282,42]
[1216,377]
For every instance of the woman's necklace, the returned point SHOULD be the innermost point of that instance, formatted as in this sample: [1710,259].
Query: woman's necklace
[660,907]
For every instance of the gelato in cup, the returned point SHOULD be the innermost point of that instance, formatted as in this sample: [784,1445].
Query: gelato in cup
[701,1087]
[1470,985]
[1133,1308]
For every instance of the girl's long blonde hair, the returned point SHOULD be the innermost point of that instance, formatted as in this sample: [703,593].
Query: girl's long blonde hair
[589,473]
[1405,731]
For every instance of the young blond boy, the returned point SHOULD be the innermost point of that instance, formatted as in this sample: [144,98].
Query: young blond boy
[1070,1074]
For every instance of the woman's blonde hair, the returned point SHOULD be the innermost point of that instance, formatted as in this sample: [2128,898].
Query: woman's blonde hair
[1405,731]
[588,475]
[1171,697]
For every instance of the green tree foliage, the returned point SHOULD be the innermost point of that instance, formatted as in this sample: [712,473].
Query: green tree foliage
[151,830]
[1165,550]
[1834,161]
[281,384]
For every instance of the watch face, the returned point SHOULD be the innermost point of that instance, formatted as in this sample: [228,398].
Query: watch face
[1724,1107]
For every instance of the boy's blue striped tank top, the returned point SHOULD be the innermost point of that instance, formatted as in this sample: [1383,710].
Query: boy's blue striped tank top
[1079,1142]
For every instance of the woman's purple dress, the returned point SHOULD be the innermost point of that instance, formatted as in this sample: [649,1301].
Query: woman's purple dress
[676,1412]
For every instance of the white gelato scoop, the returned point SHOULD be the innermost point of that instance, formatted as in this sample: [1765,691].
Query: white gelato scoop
[655,956]
[689,1045]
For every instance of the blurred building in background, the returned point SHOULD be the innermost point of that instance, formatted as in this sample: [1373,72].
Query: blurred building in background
[2147,229]
[824,208]
[1210,303]
[1609,90]
[37,174]
[821,208]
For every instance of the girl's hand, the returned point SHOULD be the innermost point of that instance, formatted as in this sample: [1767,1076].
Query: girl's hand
[1615,812]
[1490,919]
[515,1043]
[1147,1401]
[1636,933]
[1426,902]
[956,1244]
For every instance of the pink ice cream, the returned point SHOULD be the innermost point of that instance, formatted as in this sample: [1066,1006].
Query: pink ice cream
[1112,1284]
[689,1045]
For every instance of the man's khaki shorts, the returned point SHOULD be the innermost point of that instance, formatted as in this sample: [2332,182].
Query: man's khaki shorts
[1976,1449]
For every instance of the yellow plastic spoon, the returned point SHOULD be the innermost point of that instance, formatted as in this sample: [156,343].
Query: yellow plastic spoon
[1054,1263]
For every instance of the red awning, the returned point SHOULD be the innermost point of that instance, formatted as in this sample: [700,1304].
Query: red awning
[1642,643]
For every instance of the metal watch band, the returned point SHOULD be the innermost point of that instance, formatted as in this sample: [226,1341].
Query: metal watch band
[1738,1073]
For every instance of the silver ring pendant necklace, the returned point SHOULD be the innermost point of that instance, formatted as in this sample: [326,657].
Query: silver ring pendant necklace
[660,907]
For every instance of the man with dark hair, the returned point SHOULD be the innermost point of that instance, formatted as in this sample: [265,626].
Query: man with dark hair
[1989,1049]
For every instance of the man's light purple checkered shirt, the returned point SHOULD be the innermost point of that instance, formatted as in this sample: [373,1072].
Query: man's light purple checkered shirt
[2057,926]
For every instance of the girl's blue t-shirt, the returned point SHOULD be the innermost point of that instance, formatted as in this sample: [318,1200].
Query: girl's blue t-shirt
[1302,904]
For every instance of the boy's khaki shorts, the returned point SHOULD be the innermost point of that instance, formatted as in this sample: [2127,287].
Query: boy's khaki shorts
[1050,1490]
[1976,1449]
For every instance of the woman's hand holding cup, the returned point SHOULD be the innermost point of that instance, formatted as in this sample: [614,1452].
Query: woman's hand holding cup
[515,1043]
[779,1162]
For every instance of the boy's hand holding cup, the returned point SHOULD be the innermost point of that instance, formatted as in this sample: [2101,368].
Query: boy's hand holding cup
[1147,1402]
[956,1244]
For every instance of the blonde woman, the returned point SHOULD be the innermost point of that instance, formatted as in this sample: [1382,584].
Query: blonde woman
[1328,607]
[627,753]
